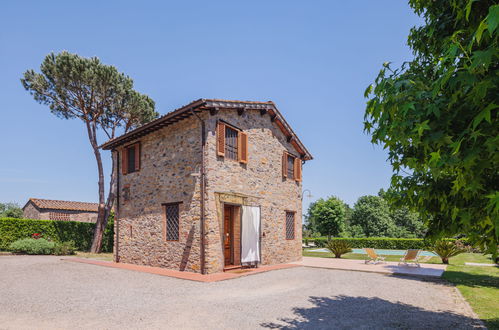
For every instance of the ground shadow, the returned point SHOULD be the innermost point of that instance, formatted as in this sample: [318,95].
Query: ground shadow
[343,312]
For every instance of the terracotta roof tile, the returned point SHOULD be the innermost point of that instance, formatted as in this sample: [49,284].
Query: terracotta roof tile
[64,205]
[197,106]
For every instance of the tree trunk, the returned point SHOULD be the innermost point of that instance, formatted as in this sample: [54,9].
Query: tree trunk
[445,261]
[101,224]
[103,210]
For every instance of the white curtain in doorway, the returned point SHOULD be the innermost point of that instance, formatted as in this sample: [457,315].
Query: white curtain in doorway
[250,234]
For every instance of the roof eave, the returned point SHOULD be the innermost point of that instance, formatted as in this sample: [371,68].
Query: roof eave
[205,103]
[144,129]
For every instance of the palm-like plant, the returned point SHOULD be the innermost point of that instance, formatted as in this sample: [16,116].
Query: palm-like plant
[338,247]
[446,250]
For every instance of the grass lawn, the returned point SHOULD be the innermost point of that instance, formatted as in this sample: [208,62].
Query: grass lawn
[478,285]
[98,256]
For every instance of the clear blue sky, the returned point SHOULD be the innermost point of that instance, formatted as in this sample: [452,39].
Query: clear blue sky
[313,58]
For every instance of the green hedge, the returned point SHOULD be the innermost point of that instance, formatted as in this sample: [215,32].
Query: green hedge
[81,233]
[377,242]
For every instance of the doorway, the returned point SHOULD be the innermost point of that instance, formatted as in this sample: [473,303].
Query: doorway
[232,235]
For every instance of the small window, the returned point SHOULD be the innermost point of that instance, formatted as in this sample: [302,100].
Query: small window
[231,143]
[291,166]
[290,225]
[58,216]
[131,159]
[172,225]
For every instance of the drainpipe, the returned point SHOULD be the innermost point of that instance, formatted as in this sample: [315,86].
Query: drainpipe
[203,190]
[117,207]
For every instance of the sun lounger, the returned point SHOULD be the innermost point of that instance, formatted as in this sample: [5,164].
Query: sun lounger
[411,256]
[373,256]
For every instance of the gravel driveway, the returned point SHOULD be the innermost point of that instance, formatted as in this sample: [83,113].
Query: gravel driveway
[47,292]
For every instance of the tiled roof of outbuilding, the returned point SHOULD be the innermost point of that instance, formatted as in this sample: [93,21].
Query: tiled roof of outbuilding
[63,205]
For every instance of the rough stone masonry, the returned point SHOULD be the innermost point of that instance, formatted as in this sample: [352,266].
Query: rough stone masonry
[170,160]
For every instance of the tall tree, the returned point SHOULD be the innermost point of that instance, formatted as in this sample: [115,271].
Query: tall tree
[327,216]
[372,214]
[10,210]
[409,223]
[102,98]
[437,117]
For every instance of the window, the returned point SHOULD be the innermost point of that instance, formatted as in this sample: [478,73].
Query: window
[58,216]
[171,221]
[232,143]
[131,158]
[290,225]
[291,167]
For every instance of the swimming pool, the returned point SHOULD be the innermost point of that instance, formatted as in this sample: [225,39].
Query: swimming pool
[383,252]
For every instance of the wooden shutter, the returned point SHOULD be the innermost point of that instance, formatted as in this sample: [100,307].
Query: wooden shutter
[220,139]
[297,169]
[137,156]
[124,160]
[242,148]
[285,164]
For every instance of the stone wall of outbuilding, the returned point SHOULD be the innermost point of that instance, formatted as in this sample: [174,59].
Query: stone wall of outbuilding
[32,212]
[169,158]
[169,172]
[261,183]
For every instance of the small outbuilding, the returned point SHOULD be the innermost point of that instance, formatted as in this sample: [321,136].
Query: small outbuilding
[47,209]
[212,186]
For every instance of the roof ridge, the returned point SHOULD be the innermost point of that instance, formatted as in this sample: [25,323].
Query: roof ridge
[200,105]
[61,200]
[55,204]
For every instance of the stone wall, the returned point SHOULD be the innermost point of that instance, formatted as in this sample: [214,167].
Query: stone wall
[32,212]
[83,216]
[169,158]
[260,180]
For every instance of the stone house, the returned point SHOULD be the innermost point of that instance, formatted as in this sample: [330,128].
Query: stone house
[47,209]
[211,186]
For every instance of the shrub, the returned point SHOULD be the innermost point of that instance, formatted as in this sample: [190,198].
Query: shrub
[338,247]
[65,248]
[464,244]
[383,242]
[378,243]
[81,233]
[32,246]
[446,250]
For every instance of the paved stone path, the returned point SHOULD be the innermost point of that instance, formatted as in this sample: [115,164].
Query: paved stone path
[426,270]
[45,292]
[184,275]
